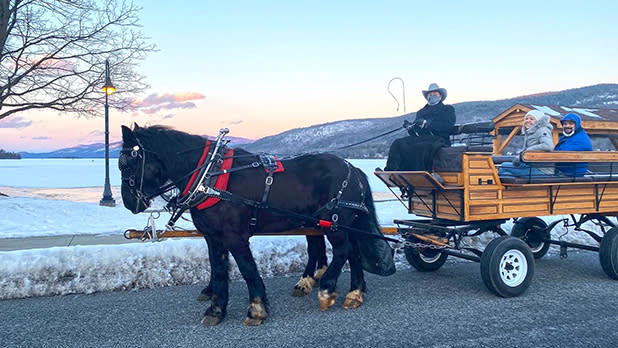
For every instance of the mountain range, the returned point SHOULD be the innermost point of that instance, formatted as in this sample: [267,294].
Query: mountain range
[97,150]
[329,137]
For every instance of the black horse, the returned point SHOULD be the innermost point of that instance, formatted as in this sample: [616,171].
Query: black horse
[309,189]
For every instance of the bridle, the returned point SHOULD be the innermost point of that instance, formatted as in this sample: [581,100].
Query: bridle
[136,152]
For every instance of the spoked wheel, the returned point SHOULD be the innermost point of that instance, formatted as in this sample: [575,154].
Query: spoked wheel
[507,266]
[533,231]
[424,260]
[608,253]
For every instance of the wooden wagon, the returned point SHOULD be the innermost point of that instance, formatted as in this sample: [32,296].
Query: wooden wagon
[464,196]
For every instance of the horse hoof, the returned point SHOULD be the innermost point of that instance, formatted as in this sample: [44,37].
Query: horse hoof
[210,321]
[320,272]
[326,299]
[204,297]
[303,287]
[252,322]
[353,299]
[256,313]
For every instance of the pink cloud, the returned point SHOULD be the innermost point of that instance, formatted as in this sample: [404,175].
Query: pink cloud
[96,133]
[156,100]
[14,122]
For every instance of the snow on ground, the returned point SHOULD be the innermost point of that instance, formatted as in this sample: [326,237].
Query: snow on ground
[59,202]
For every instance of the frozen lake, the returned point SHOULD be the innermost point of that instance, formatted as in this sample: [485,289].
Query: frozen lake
[86,172]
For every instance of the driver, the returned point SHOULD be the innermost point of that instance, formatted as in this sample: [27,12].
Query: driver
[429,131]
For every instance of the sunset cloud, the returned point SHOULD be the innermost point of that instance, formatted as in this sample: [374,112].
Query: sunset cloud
[96,133]
[157,102]
[41,138]
[232,123]
[14,122]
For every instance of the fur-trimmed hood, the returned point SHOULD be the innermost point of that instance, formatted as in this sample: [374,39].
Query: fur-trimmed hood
[542,121]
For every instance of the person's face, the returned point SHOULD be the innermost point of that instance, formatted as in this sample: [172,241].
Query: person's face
[433,93]
[568,126]
[529,121]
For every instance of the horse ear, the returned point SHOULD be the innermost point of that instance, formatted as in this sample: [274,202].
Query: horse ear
[135,126]
[128,138]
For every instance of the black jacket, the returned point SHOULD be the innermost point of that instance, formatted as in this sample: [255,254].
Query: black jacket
[440,121]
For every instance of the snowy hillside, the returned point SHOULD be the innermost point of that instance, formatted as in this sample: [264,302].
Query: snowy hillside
[327,137]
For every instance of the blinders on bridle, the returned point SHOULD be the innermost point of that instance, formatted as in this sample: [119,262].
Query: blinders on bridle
[129,164]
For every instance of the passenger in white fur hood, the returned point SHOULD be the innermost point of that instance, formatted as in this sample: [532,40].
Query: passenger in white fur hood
[537,137]
[537,132]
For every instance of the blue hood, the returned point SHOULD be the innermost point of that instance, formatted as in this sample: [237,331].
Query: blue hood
[573,117]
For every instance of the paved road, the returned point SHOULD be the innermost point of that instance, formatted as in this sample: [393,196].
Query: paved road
[571,303]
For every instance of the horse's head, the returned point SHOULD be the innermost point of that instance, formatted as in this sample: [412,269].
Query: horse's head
[143,173]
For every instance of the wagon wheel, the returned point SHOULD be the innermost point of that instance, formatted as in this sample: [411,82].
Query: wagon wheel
[533,231]
[507,266]
[608,253]
[424,260]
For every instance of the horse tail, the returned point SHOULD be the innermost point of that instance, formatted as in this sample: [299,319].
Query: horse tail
[376,253]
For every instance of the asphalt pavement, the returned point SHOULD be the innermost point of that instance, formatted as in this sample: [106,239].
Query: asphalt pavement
[571,303]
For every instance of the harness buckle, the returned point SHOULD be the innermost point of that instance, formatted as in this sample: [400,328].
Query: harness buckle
[269,180]
[252,221]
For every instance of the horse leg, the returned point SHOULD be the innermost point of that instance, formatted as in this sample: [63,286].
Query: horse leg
[206,293]
[219,263]
[322,260]
[258,306]
[354,298]
[328,283]
[316,251]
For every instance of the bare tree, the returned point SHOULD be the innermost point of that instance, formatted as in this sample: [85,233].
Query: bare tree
[53,54]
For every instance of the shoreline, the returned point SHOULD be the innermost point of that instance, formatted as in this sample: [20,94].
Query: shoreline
[91,194]
[94,194]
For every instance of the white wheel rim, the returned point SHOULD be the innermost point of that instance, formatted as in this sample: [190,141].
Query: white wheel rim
[513,268]
[429,259]
[538,247]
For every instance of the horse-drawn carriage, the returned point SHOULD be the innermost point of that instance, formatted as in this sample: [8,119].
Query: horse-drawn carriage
[468,197]
[463,197]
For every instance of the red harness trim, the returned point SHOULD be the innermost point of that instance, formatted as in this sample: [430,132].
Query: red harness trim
[279,167]
[222,180]
[194,176]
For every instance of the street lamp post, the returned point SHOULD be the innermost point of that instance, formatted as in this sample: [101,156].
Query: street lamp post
[109,89]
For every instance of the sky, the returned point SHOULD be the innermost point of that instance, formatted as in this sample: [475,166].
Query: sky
[261,68]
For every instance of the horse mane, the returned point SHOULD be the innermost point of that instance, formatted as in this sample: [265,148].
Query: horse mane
[169,141]
[157,135]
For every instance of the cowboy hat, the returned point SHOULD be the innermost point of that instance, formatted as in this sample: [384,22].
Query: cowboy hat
[435,87]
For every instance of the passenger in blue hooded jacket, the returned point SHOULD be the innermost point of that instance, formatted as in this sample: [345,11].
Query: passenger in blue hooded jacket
[573,138]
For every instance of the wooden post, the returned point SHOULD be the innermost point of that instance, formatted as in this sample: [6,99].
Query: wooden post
[508,139]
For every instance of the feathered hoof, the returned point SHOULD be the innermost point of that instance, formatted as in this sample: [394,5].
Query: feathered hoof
[213,316]
[252,322]
[256,313]
[303,287]
[320,272]
[353,299]
[210,320]
[326,299]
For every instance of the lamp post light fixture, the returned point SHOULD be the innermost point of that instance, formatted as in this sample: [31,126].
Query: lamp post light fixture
[109,89]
